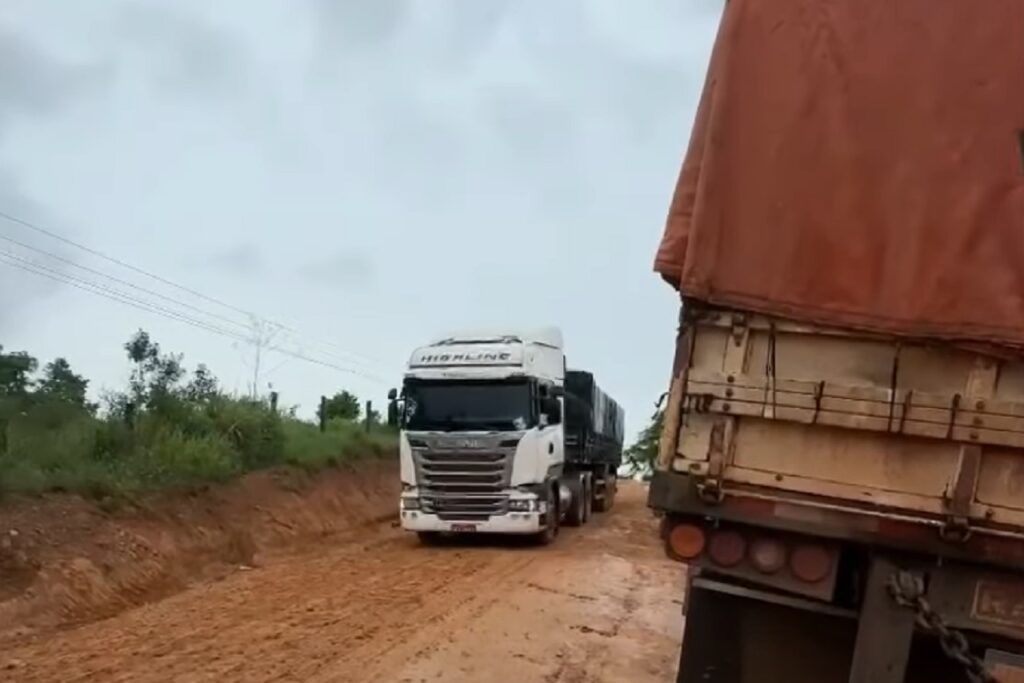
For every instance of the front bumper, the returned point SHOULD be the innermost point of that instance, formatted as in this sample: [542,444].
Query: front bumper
[509,523]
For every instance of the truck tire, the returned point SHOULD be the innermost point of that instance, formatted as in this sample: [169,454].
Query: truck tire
[550,533]
[576,514]
[608,485]
[588,498]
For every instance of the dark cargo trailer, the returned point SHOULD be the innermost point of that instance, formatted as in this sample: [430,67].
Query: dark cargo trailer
[594,422]
[594,432]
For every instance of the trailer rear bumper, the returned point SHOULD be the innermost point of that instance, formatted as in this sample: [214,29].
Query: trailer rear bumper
[677,495]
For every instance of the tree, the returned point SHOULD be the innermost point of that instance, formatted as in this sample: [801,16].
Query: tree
[61,383]
[155,374]
[343,406]
[15,369]
[643,453]
[203,385]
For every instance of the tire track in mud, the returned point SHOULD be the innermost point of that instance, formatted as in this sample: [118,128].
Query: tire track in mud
[578,665]
[300,619]
[377,607]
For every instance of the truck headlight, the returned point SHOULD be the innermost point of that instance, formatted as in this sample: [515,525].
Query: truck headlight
[522,505]
[410,503]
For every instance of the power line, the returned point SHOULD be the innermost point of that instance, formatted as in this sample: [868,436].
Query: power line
[15,261]
[178,302]
[109,293]
[140,271]
[95,252]
[126,283]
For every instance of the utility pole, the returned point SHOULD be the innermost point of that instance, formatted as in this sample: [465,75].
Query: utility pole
[261,337]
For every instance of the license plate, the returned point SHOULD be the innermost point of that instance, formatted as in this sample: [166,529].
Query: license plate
[999,602]
[463,528]
[1006,667]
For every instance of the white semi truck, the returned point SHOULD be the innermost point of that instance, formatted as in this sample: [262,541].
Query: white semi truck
[497,436]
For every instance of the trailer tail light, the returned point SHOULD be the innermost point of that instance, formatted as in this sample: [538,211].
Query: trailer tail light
[727,548]
[767,555]
[811,563]
[686,541]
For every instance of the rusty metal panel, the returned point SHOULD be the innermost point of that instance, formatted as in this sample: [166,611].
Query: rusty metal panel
[921,429]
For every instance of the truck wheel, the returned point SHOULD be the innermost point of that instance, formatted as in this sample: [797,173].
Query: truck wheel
[588,499]
[605,502]
[576,514]
[550,533]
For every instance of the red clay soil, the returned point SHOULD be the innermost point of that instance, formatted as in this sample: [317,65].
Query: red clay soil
[65,561]
[372,605]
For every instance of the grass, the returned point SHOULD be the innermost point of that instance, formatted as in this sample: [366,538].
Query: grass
[52,447]
[307,447]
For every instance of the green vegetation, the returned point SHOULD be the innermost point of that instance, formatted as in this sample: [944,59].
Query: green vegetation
[640,457]
[168,428]
[341,406]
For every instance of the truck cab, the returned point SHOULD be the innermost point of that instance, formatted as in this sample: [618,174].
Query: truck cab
[482,439]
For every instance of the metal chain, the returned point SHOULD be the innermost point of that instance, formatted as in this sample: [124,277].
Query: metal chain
[908,591]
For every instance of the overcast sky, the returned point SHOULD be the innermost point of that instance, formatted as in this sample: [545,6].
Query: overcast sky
[367,172]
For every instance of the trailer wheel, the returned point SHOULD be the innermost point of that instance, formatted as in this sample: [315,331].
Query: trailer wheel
[550,533]
[576,514]
[588,499]
[609,485]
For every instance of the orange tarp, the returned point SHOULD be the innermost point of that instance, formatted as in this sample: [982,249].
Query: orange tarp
[859,163]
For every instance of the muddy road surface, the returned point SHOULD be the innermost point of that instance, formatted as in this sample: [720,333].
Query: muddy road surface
[602,604]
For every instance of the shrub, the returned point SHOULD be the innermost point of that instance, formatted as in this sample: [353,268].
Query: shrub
[252,428]
[160,432]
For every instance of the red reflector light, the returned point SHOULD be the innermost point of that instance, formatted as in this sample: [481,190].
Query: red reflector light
[727,548]
[767,555]
[811,563]
[686,541]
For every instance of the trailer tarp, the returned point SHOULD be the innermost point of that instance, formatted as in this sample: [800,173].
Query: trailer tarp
[860,163]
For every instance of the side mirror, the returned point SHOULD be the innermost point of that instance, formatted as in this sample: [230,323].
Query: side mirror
[552,409]
[394,413]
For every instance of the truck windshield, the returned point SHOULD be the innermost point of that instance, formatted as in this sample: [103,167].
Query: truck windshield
[467,406]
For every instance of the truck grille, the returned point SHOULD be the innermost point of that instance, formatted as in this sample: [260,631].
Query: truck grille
[465,508]
[463,485]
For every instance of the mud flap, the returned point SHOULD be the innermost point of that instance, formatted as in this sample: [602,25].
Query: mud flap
[710,639]
[732,638]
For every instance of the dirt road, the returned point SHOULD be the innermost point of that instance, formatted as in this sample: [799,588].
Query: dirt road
[601,604]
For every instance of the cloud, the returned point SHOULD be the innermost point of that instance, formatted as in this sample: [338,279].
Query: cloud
[344,270]
[239,260]
[32,82]
[186,55]
[527,134]
[347,24]
[19,289]
[466,30]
